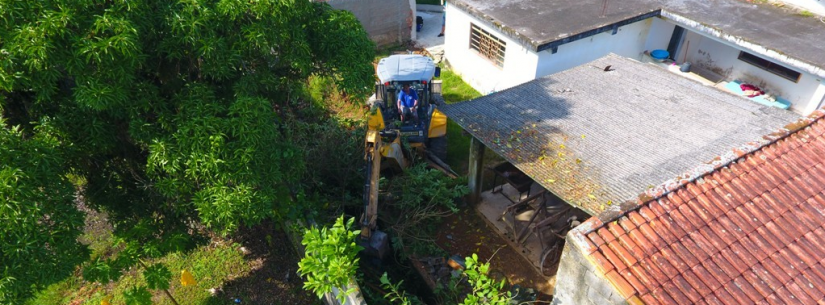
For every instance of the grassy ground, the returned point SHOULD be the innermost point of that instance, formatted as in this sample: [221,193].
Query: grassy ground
[211,265]
[458,151]
[256,266]
[455,90]
[435,2]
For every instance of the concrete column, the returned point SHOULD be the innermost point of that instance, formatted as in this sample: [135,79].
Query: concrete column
[475,170]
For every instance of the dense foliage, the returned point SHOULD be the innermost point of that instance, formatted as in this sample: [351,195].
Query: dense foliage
[331,257]
[38,221]
[170,113]
[486,290]
[419,200]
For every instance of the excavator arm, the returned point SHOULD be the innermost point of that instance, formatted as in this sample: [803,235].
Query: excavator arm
[374,241]
[372,155]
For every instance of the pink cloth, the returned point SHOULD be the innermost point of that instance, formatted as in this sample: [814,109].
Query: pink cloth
[751,90]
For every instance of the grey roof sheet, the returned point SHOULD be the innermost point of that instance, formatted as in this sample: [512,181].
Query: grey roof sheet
[594,137]
[405,68]
[541,22]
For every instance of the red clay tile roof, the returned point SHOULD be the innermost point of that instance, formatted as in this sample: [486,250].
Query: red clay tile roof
[748,228]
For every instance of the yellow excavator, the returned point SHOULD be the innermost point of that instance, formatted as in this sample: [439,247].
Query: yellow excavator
[392,142]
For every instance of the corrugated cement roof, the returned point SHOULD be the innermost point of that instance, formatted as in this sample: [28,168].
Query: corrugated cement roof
[594,137]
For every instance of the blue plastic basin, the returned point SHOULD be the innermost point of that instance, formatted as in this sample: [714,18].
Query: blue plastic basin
[659,54]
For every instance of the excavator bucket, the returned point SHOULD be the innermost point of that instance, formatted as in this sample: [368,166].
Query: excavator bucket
[377,245]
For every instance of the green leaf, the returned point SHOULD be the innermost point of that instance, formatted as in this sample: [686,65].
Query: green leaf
[137,295]
[157,276]
[384,280]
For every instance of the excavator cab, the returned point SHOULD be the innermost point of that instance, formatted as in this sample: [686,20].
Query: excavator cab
[386,131]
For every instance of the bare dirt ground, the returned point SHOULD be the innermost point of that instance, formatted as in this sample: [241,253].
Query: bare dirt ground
[465,233]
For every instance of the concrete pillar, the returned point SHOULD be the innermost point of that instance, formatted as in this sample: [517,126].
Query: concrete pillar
[475,170]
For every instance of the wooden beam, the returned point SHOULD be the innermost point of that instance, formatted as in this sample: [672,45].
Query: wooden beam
[475,170]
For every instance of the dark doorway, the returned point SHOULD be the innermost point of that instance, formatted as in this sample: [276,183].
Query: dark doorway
[675,41]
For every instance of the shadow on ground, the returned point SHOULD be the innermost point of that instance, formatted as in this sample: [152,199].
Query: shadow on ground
[273,279]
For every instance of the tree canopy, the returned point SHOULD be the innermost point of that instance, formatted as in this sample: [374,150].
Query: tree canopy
[167,113]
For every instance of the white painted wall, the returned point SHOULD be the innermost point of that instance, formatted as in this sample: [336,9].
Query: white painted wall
[519,62]
[817,99]
[659,35]
[629,42]
[813,6]
[721,58]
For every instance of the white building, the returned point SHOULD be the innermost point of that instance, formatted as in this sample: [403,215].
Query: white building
[498,44]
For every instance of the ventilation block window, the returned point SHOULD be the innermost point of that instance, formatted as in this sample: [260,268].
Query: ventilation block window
[487,45]
[769,66]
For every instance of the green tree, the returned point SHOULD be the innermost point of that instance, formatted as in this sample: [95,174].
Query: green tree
[38,221]
[172,112]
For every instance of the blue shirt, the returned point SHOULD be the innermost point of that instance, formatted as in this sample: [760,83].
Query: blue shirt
[408,100]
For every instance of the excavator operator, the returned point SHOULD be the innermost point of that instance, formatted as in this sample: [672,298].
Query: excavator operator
[408,103]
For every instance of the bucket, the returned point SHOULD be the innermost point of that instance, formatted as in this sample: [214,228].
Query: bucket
[685,67]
